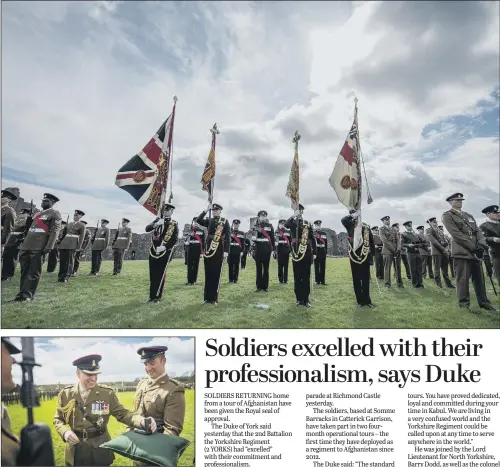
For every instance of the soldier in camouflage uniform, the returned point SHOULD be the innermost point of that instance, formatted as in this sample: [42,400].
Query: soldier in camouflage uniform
[78,254]
[82,416]
[159,396]
[121,243]
[467,248]
[71,243]
[12,245]
[40,240]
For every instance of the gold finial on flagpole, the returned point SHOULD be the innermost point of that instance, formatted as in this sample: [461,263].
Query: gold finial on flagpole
[214,130]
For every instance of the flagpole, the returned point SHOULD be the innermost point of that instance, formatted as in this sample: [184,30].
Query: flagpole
[296,139]
[215,131]
[171,164]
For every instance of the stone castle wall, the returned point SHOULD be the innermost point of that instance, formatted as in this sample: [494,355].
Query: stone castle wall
[139,249]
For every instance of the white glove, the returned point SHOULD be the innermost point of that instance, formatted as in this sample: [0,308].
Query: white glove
[201,256]
[225,256]
[186,243]
[356,214]
[160,222]
[161,248]
[314,257]
[71,438]
[209,206]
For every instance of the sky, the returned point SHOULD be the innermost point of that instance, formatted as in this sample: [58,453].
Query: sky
[120,361]
[85,85]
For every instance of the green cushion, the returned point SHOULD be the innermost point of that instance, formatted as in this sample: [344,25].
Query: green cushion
[155,449]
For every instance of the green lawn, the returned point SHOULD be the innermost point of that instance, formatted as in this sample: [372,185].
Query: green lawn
[45,414]
[109,301]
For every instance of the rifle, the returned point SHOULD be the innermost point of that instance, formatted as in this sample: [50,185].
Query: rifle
[116,236]
[95,233]
[489,272]
[36,440]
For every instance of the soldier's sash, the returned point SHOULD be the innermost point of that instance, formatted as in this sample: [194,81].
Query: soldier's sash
[236,239]
[284,238]
[40,224]
[198,238]
[322,240]
[263,232]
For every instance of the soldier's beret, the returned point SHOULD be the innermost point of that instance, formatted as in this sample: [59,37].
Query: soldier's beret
[317,222]
[150,353]
[385,218]
[9,194]
[105,220]
[407,223]
[281,221]
[10,346]
[301,207]
[216,206]
[432,219]
[236,221]
[125,219]
[88,364]
[169,206]
[420,227]
[52,198]
[458,196]
[490,209]
[79,213]
[395,225]
[84,222]
[24,211]
[262,213]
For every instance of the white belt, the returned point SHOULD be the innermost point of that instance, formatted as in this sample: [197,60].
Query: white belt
[235,244]
[261,240]
[36,230]
[16,233]
[320,246]
[282,241]
[194,241]
[123,238]
[72,235]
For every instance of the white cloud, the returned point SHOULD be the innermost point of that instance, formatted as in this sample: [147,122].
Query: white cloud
[120,361]
[85,85]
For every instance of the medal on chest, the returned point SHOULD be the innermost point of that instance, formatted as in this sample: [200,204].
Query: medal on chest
[100,408]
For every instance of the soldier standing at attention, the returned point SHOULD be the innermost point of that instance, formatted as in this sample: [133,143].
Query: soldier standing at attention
[439,253]
[164,238]
[360,259]
[82,416]
[10,443]
[411,241]
[283,243]
[389,249]
[8,215]
[236,250]
[379,260]
[53,256]
[195,242]
[216,251]
[11,247]
[121,243]
[78,254]
[491,232]
[303,254]
[398,256]
[158,396]
[467,247]
[263,239]
[39,241]
[246,251]
[322,249]
[425,252]
[72,241]
[450,259]
[99,243]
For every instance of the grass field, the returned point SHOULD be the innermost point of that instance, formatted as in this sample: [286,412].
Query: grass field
[109,301]
[45,414]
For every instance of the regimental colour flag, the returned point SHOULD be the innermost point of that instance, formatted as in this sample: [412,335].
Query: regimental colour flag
[346,176]
[145,176]
[207,179]
[292,189]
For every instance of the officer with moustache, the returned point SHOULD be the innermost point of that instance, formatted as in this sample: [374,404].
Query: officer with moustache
[216,251]
[195,241]
[491,232]
[411,241]
[322,248]
[39,241]
[236,250]
[467,249]
[100,242]
[379,262]
[303,254]
[263,244]
[13,243]
[72,241]
[163,241]
[282,242]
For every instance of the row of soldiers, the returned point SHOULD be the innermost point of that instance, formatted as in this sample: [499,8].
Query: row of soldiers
[32,239]
[15,397]
[84,408]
